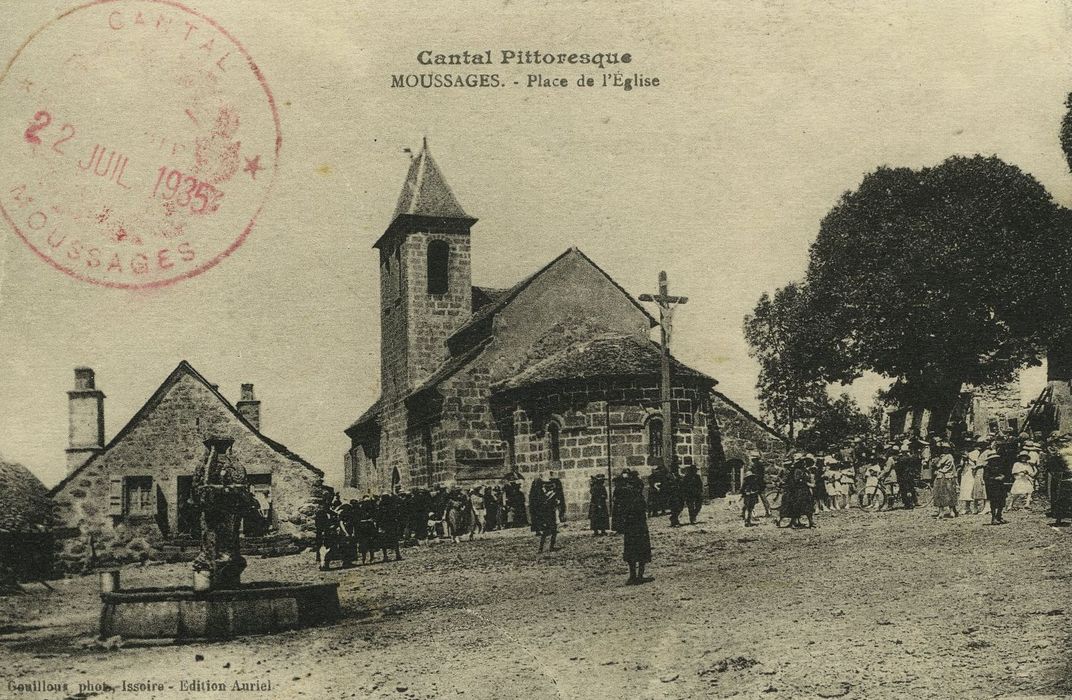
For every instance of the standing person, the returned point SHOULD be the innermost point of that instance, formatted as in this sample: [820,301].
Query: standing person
[656,492]
[945,479]
[491,509]
[549,510]
[598,516]
[798,501]
[455,515]
[967,478]
[759,468]
[751,488]
[560,496]
[477,513]
[536,503]
[907,467]
[818,484]
[997,476]
[1023,485]
[692,491]
[675,499]
[518,508]
[630,517]
[389,524]
[617,484]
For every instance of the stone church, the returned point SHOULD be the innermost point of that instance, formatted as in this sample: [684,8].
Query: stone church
[557,373]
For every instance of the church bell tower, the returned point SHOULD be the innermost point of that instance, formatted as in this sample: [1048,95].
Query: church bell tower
[425,278]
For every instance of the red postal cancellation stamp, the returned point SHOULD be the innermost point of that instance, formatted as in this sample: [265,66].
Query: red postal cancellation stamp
[139,142]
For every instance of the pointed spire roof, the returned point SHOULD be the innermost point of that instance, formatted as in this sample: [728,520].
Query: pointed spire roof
[426,195]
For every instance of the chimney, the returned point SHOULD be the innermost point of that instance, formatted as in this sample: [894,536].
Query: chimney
[86,414]
[249,406]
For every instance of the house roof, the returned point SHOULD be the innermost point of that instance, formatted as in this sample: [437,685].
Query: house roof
[737,407]
[185,369]
[486,313]
[606,356]
[482,296]
[24,504]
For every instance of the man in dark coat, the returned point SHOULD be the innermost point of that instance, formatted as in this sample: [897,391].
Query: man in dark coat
[692,491]
[907,468]
[536,497]
[617,484]
[560,496]
[997,477]
[598,517]
[675,498]
[630,518]
[389,523]
[548,515]
[656,491]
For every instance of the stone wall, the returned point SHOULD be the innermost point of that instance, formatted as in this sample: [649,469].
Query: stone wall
[165,444]
[739,433]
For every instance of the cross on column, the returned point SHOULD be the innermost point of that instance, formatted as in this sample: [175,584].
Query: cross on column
[666,305]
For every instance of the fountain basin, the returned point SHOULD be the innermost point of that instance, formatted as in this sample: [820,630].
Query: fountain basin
[181,613]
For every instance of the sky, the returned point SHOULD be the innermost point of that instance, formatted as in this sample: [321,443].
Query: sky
[765,114]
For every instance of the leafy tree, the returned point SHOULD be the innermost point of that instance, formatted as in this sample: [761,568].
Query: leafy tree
[937,277]
[789,387]
[835,422]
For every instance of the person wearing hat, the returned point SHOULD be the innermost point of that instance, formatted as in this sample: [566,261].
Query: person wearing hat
[818,483]
[1023,484]
[832,477]
[997,476]
[692,491]
[798,500]
[760,470]
[598,517]
[751,488]
[945,479]
[966,494]
[631,519]
[549,509]
[907,468]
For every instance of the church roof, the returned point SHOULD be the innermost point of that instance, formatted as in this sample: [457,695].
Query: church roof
[371,414]
[607,356]
[480,322]
[24,504]
[184,368]
[425,191]
[426,196]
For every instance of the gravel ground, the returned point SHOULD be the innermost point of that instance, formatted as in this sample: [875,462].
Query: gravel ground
[867,605]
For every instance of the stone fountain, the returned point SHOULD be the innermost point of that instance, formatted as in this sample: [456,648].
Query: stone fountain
[217,604]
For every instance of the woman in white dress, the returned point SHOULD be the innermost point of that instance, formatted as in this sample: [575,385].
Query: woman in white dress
[967,481]
[1023,485]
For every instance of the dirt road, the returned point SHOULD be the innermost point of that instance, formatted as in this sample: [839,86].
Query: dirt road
[889,605]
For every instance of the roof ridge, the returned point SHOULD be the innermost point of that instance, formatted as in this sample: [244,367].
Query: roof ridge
[154,399]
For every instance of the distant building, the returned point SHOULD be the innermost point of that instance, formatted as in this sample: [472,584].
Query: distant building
[25,523]
[128,499]
[557,373]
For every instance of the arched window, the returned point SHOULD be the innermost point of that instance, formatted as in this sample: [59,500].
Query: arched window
[554,440]
[438,266]
[655,438]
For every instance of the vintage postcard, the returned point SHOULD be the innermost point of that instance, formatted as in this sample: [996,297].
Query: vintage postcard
[570,349]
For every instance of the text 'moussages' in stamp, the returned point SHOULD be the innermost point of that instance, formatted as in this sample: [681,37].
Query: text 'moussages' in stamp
[139,140]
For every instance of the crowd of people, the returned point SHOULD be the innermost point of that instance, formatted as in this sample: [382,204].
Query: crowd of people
[992,473]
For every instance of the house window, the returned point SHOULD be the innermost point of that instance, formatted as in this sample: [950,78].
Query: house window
[438,266]
[655,438]
[138,495]
[554,440]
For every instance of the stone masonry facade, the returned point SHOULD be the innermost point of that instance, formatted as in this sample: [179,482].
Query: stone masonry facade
[164,445]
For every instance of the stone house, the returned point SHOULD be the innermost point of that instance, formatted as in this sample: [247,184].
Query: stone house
[127,500]
[557,373]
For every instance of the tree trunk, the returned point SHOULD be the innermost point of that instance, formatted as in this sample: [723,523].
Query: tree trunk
[944,400]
